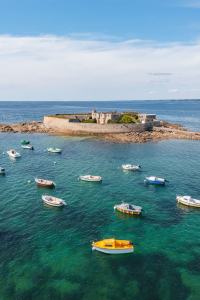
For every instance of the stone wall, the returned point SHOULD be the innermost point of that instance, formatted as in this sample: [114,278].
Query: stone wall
[65,126]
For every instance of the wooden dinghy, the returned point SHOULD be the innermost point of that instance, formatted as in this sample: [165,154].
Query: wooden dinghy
[53,201]
[189,201]
[155,180]
[129,209]
[43,182]
[131,167]
[91,178]
[112,246]
[13,153]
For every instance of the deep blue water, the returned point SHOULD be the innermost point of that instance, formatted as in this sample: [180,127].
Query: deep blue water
[45,252]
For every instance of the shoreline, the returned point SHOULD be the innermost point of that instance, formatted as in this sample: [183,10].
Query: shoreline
[166,131]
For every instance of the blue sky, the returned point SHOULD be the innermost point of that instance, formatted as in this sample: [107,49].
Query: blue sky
[99,49]
[167,21]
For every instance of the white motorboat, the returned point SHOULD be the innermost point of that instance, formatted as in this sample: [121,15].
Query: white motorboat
[53,201]
[131,167]
[2,170]
[13,153]
[187,200]
[54,150]
[29,147]
[91,178]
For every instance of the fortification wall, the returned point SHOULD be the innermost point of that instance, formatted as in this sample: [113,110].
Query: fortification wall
[65,126]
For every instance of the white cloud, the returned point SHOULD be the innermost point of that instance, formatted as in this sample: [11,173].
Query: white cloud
[195,90]
[152,92]
[63,68]
[173,91]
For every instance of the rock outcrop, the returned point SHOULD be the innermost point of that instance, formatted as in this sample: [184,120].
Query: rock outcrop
[167,131]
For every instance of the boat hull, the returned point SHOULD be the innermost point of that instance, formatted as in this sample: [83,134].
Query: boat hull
[125,211]
[155,181]
[113,251]
[46,185]
[14,155]
[52,204]
[88,179]
[54,151]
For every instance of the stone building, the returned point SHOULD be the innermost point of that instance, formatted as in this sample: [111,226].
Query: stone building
[103,117]
[146,118]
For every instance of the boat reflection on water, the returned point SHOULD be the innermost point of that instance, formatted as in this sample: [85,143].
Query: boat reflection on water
[55,208]
[187,209]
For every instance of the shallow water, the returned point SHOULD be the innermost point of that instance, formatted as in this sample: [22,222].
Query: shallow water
[46,252]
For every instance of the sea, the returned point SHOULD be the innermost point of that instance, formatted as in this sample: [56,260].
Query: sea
[46,252]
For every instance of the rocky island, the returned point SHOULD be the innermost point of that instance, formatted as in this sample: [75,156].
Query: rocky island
[141,129]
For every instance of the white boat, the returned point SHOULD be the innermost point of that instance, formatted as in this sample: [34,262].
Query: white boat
[90,178]
[29,147]
[13,153]
[53,201]
[54,150]
[2,170]
[131,167]
[47,183]
[187,200]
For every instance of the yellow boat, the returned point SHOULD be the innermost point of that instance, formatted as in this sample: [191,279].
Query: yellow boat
[112,246]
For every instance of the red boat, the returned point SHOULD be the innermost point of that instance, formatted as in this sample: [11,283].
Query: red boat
[43,182]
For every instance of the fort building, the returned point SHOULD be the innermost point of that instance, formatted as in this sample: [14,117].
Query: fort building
[103,117]
[146,118]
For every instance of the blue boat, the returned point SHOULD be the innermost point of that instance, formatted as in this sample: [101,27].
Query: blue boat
[156,180]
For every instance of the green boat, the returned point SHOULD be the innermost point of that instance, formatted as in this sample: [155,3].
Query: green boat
[25,142]
[54,150]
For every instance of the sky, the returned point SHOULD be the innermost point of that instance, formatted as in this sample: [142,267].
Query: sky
[67,50]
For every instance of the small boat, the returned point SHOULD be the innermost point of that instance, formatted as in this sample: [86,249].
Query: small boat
[156,180]
[129,209]
[53,201]
[54,150]
[13,153]
[131,167]
[43,182]
[90,178]
[25,142]
[2,170]
[187,200]
[112,246]
[27,147]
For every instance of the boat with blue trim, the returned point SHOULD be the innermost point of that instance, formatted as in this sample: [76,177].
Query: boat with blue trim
[156,180]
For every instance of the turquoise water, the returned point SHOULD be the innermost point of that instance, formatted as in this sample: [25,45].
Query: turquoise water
[46,252]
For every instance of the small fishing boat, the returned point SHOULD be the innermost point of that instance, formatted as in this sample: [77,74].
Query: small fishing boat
[90,178]
[54,150]
[156,180]
[112,246]
[43,182]
[29,147]
[129,209]
[187,200]
[53,201]
[25,142]
[13,153]
[2,170]
[131,167]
